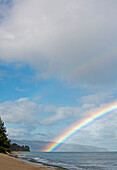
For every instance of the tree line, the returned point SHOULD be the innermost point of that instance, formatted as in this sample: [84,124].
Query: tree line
[15,147]
[5,145]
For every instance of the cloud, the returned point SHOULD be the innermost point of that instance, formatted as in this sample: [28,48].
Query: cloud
[97,98]
[19,111]
[69,40]
[23,110]
[60,113]
[99,133]
[30,117]
[19,89]
[16,132]
[37,98]
[21,100]
[87,105]
[24,133]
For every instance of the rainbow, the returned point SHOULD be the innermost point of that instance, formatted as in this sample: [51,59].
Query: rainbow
[102,112]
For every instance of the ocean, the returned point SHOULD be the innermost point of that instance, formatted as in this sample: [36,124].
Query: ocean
[74,160]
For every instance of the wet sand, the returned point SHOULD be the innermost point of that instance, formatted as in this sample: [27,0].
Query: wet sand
[11,163]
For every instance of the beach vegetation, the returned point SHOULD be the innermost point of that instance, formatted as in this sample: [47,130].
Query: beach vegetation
[4,141]
[16,147]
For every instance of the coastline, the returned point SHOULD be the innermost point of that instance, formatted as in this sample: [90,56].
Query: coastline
[7,162]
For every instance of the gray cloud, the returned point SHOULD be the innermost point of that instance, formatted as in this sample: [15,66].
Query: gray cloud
[72,40]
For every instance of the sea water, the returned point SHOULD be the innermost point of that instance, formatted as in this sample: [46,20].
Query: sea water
[75,160]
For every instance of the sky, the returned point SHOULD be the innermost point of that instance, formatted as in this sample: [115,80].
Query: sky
[58,63]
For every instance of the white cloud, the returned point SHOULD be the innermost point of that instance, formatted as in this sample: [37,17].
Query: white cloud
[16,132]
[19,111]
[24,110]
[67,112]
[73,40]
[19,89]
[88,105]
[22,99]
[37,98]
[60,113]
[97,98]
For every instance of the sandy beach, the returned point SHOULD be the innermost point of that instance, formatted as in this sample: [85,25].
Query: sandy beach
[11,163]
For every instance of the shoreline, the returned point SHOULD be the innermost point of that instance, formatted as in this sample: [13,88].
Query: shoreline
[33,161]
[9,162]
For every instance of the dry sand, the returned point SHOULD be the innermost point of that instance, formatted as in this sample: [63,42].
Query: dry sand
[10,163]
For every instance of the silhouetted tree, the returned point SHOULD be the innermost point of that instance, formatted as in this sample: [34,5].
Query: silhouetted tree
[4,141]
[15,147]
